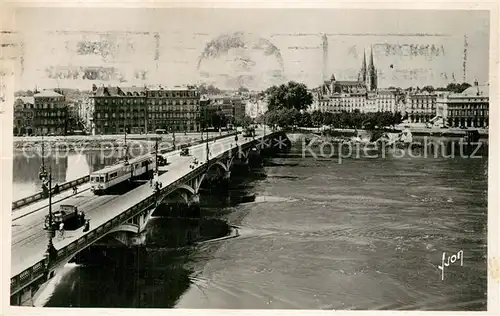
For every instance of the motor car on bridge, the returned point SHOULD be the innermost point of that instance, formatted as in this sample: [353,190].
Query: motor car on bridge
[67,215]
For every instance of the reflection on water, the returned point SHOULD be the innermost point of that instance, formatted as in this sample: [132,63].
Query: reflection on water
[65,167]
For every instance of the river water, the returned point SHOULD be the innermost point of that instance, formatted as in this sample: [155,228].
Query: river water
[367,233]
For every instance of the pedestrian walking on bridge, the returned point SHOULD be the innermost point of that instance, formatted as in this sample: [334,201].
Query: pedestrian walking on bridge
[61,230]
[87,226]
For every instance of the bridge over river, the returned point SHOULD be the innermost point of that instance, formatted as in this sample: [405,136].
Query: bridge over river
[122,217]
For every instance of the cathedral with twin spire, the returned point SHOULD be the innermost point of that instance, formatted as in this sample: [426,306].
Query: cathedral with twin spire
[361,94]
[366,81]
[368,75]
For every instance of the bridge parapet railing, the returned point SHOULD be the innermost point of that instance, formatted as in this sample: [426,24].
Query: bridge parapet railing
[36,271]
[169,149]
[40,195]
[70,184]
[27,276]
[19,281]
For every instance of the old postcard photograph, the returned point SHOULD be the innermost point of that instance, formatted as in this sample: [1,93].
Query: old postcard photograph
[249,158]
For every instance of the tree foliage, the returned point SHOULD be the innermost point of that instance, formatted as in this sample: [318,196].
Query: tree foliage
[452,87]
[219,119]
[290,117]
[457,87]
[293,95]
[243,89]
[210,89]
[244,121]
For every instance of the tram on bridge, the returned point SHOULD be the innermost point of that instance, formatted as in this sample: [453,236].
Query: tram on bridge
[104,179]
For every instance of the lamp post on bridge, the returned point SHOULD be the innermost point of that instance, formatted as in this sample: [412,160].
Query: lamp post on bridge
[156,153]
[42,167]
[46,178]
[173,135]
[264,126]
[125,148]
[155,179]
[201,128]
[206,130]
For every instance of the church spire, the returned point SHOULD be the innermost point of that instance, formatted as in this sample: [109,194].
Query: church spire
[363,66]
[325,56]
[362,73]
[371,78]
[371,66]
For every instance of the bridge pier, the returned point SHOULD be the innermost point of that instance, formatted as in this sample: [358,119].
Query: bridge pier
[194,199]
[130,239]
[28,295]
[254,156]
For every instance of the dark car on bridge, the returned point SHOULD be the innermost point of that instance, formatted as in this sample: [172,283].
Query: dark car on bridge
[162,160]
[67,215]
[185,152]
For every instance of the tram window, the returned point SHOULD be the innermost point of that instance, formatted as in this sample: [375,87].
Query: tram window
[112,175]
[102,178]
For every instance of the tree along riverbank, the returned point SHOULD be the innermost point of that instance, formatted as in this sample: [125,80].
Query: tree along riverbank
[452,134]
[368,136]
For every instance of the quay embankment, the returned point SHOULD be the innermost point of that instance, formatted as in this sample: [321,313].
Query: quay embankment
[109,142]
[419,134]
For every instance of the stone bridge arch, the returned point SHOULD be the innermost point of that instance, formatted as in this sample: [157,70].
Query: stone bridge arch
[223,168]
[124,228]
[185,191]
[241,155]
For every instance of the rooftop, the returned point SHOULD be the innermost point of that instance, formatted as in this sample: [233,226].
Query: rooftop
[138,91]
[48,93]
[386,92]
[133,90]
[349,82]
[174,88]
[422,94]
[27,100]
[477,90]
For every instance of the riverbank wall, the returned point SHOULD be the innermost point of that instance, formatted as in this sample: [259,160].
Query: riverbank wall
[109,142]
[438,132]
[419,133]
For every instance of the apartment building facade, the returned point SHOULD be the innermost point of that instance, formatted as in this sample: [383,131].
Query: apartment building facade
[421,106]
[467,109]
[145,109]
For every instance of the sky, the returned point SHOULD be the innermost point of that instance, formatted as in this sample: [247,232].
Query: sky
[295,33]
